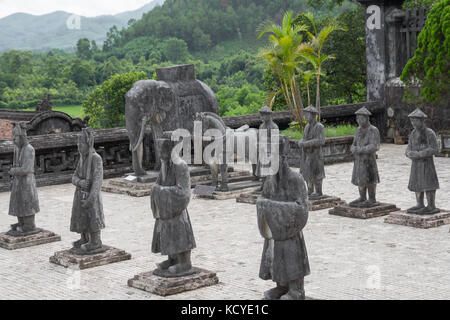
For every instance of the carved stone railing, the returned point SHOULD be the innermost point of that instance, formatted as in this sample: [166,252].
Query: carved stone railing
[336,150]
[330,114]
[57,155]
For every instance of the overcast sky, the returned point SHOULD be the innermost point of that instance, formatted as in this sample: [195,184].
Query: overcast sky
[89,8]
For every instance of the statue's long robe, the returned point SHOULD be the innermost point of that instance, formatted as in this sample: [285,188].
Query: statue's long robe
[312,165]
[365,169]
[282,214]
[170,197]
[88,219]
[24,199]
[423,175]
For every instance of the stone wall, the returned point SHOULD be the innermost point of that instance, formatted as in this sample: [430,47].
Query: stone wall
[398,123]
[39,123]
[331,115]
[57,156]
[336,150]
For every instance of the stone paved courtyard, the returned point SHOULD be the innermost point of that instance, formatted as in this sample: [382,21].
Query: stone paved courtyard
[349,258]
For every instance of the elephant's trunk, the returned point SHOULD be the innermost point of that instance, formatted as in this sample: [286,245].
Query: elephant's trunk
[141,135]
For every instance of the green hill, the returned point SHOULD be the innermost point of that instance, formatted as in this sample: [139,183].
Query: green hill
[23,31]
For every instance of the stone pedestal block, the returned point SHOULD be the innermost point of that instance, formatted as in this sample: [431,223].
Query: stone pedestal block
[149,282]
[142,186]
[314,205]
[235,190]
[419,221]
[345,210]
[13,243]
[324,203]
[69,259]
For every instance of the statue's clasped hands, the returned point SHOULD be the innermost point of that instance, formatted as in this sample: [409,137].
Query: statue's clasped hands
[83,184]
[86,204]
[12,171]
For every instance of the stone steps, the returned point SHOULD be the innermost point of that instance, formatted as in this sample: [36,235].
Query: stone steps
[134,189]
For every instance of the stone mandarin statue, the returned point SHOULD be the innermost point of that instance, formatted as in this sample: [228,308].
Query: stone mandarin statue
[423,179]
[24,202]
[282,212]
[312,160]
[173,235]
[365,171]
[269,125]
[87,211]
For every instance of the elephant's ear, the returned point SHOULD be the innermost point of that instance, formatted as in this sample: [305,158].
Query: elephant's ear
[167,99]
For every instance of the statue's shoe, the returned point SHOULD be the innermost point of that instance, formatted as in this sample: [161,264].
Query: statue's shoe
[357,202]
[175,271]
[428,211]
[165,264]
[275,293]
[316,196]
[368,204]
[15,226]
[293,295]
[89,249]
[21,233]
[415,209]
[77,244]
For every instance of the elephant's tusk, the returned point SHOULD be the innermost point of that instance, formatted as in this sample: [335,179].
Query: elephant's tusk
[141,135]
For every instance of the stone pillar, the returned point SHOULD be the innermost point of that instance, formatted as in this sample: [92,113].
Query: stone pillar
[383,40]
[375,49]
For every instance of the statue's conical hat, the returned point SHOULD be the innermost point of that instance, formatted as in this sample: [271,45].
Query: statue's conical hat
[311,109]
[363,111]
[265,109]
[418,114]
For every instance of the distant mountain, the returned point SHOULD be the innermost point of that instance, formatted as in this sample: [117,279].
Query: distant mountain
[39,33]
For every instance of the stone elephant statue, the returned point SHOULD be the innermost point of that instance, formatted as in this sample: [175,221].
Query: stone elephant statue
[168,103]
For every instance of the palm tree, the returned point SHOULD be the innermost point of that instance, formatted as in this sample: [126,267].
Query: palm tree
[313,51]
[282,57]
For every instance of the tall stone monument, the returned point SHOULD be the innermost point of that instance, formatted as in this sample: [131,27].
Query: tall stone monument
[87,212]
[24,201]
[173,235]
[168,103]
[365,172]
[282,212]
[423,179]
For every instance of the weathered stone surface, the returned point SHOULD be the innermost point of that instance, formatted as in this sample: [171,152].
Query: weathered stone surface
[282,213]
[325,203]
[444,149]
[330,114]
[345,210]
[149,282]
[314,205]
[57,156]
[235,190]
[138,189]
[13,243]
[337,274]
[175,99]
[419,221]
[68,259]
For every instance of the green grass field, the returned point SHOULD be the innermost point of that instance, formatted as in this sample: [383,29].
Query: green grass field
[73,111]
[338,131]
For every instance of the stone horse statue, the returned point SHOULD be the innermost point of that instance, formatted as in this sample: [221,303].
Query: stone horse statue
[244,134]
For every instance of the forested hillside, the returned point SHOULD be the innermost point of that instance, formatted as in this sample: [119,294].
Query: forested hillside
[43,32]
[218,36]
